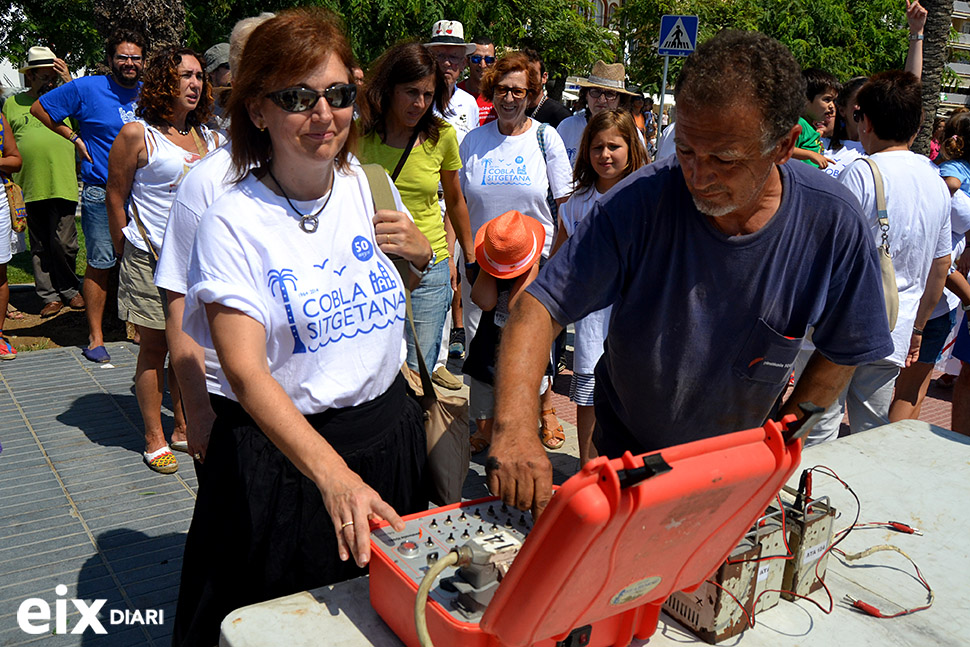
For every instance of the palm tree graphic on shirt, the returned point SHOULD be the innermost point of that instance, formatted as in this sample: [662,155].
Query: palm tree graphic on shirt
[281,278]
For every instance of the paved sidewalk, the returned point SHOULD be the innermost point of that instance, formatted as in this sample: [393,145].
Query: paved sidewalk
[78,507]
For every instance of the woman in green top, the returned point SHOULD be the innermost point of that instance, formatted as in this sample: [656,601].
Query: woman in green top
[402,133]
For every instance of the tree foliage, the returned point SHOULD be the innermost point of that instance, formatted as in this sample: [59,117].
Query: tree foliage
[846,37]
[568,42]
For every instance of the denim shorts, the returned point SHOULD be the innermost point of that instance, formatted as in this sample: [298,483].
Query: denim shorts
[94,224]
[935,333]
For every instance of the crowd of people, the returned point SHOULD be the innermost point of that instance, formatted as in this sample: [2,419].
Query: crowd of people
[717,273]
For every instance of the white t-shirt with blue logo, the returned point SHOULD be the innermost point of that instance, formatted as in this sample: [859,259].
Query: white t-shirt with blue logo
[500,173]
[850,152]
[331,302]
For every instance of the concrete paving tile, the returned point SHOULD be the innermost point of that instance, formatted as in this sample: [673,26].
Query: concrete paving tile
[123,546]
[19,448]
[147,563]
[136,505]
[124,486]
[128,535]
[85,453]
[33,559]
[36,522]
[161,586]
[142,519]
[68,569]
[43,496]
[50,505]
[70,538]
[39,531]
[39,482]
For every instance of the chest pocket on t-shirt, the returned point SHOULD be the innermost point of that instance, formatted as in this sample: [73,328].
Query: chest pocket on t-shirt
[767,356]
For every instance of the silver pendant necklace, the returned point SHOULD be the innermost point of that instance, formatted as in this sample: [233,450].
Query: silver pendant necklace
[309,222]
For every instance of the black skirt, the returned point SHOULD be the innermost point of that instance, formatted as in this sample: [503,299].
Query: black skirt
[260,529]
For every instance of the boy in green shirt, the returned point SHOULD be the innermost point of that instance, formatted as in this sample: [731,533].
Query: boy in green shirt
[821,89]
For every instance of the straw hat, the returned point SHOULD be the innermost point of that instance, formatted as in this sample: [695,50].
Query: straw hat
[508,246]
[450,32]
[607,77]
[38,57]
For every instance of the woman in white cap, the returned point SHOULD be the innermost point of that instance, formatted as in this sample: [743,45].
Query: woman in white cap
[603,89]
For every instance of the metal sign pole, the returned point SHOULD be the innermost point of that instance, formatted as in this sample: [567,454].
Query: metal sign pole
[663,94]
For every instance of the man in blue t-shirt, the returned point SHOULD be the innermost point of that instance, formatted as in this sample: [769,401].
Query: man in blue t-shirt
[100,105]
[717,263]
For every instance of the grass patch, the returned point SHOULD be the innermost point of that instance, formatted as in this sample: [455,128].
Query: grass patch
[20,268]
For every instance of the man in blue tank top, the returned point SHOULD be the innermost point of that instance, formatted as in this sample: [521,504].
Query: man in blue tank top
[100,105]
[717,262]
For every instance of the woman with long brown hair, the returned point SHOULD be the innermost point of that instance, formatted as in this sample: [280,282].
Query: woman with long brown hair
[290,283]
[402,133]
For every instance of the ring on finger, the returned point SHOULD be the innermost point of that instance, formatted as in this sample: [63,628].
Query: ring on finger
[346,524]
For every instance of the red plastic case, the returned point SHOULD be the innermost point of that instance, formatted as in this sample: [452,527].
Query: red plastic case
[612,545]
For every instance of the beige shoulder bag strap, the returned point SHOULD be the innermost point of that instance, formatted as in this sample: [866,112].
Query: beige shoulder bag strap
[380,187]
[889,289]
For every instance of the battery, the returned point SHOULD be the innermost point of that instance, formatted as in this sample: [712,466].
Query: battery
[809,536]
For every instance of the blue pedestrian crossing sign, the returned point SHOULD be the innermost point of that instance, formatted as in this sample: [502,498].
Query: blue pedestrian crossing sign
[678,35]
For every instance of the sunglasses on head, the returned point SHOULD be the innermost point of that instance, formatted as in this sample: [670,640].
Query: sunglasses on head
[341,95]
[857,115]
[596,93]
[477,59]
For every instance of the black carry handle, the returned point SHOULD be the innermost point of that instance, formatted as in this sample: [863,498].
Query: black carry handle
[801,427]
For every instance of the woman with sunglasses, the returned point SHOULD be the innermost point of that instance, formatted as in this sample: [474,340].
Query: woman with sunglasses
[146,164]
[419,149]
[291,284]
[513,163]
[605,89]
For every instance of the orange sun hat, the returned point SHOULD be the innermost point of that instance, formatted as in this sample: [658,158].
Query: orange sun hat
[508,246]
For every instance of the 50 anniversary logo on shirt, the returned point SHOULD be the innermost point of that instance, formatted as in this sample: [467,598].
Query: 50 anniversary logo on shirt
[355,302]
[498,171]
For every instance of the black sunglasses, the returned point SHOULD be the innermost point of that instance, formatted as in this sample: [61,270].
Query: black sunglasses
[341,95]
[476,59]
[857,115]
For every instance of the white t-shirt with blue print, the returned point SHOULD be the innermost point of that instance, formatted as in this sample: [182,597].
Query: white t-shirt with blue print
[500,173]
[331,302]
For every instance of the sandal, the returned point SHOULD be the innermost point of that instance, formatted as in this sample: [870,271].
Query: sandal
[480,441]
[7,351]
[13,313]
[551,438]
[162,461]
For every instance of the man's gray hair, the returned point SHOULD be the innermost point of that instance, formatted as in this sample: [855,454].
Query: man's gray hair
[744,68]
[240,34]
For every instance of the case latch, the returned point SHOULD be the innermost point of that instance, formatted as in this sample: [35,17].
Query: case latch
[653,464]
[577,637]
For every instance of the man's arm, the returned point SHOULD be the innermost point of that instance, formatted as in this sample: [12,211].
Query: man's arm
[62,129]
[518,470]
[821,383]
